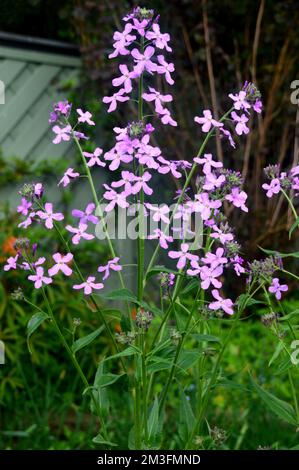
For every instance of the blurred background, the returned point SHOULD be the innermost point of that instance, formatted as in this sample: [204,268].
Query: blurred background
[52,49]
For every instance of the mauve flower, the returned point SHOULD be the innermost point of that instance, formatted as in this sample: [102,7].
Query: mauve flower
[167,118]
[163,238]
[240,100]
[141,183]
[183,256]
[159,212]
[122,40]
[212,181]
[127,178]
[277,288]
[94,157]
[38,190]
[11,263]
[205,206]
[61,264]
[85,116]
[24,207]
[215,259]
[156,96]
[89,285]
[167,166]
[39,279]
[118,96]
[258,106]
[223,237]
[207,162]
[87,215]
[143,60]
[62,134]
[68,176]
[26,266]
[125,79]
[27,221]
[115,198]
[49,216]
[79,232]
[165,68]
[272,188]
[160,40]
[117,157]
[241,127]
[112,264]
[237,198]
[209,276]
[223,304]
[207,121]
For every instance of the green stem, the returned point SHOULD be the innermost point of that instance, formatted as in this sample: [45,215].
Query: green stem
[290,203]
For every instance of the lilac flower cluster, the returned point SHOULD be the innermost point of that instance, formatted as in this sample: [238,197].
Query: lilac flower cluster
[281,181]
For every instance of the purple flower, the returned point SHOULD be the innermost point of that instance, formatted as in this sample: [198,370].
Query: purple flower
[241,127]
[228,135]
[27,221]
[68,176]
[160,40]
[240,100]
[209,276]
[195,268]
[141,183]
[208,162]
[215,259]
[24,207]
[89,285]
[182,255]
[118,96]
[223,304]
[163,238]
[62,134]
[87,215]
[156,96]
[38,190]
[125,79]
[112,264]
[272,188]
[277,288]
[115,198]
[61,264]
[140,26]
[167,118]
[26,266]
[117,157]
[11,263]
[165,68]
[159,212]
[85,116]
[94,158]
[237,198]
[258,106]
[222,236]
[207,121]
[122,40]
[79,232]
[212,181]
[49,216]
[167,166]
[205,206]
[127,177]
[39,279]
[143,61]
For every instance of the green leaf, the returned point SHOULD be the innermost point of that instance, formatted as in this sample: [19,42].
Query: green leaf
[276,353]
[279,407]
[242,300]
[186,418]
[160,269]
[295,254]
[35,321]
[289,316]
[208,338]
[82,342]
[130,351]
[100,393]
[295,225]
[120,294]
[153,421]
[99,439]
[108,379]
[193,284]
[187,359]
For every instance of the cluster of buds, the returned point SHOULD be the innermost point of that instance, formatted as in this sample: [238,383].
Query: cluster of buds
[264,269]
[125,337]
[269,318]
[61,111]
[31,191]
[252,92]
[218,435]
[18,294]
[166,279]
[175,336]
[143,319]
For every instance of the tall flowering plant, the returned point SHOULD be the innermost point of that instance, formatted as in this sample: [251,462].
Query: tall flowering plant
[166,339]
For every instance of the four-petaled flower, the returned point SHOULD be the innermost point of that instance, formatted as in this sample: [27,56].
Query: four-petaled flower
[94,157]
[237,198]
[87,215]
[207,121]
[80,232]
[143,60]
[68,176]
[183,255]
[112,264]
[39,279]
[277,288]
[11,263]
[209,276]
[165,68]
[241,127]
[48,215]
[89,285]
[62,134]
[160,40]
[240,100]
[207,162]
[24,207]
[221,303]
[163,238]
[125,79]
[272,188]
[215,259]
[118,96]
[61,264]
[85,116]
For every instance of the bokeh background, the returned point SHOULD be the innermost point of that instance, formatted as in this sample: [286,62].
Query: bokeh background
[51,49]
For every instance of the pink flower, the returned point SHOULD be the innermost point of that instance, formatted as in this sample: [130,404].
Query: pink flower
[207,121]
[209,276]
[222,236]
[89,285]
[94,158]
[277,288]
[215,259]
[79,232]
[122,40]
[27,221]
[156,96]
[241,127]
[167,118]
[85,116]
[208,162]
[226,133]
[125,78]
[195,268]
[223,304]
[112,264]
[118,199]
[183,256]
[143,61]
[212,181]
[39,279]
[11,263]
[237,198]
[205,206]
[61,264]
[49,216]
[38,190]
[165,68]
[87,215]
[240,100]
[163,238]
[140,26]
[272,188]
[160,40]
[258,106]
[118,96]
[26,266]
[24,207]
[168,166]
[62,134]
[141,183]
[127,177]
[117,157]
[159,212]
[68,176]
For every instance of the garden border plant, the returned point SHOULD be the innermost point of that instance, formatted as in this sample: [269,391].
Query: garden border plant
[199,273]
